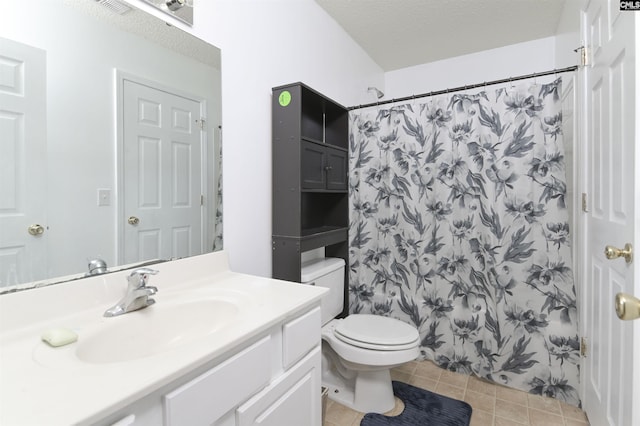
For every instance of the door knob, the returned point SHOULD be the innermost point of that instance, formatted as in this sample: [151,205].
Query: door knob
[612,252]
[627,306]
[36,229]
[133,220]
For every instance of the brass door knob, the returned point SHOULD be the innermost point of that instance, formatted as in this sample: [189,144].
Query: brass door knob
[627,306]
[133,220]
[612,252]
[36,229]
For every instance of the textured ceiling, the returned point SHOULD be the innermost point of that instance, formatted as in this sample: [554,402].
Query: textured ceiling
[402,33]
[148,26]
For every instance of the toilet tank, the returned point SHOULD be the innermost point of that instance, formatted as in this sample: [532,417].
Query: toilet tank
[326,272]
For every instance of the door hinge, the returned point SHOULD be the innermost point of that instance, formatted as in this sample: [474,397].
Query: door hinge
[584,202]
[583,51]
[202,122]
[202,200]
[583,347]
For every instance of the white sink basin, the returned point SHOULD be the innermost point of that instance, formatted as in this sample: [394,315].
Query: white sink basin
[154,330]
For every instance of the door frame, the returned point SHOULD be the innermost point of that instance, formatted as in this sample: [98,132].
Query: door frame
[209,206]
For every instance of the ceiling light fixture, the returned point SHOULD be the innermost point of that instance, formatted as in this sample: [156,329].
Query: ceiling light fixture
[174,5]
[115,6]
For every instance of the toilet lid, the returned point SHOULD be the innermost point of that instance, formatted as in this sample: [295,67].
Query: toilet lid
[376,332]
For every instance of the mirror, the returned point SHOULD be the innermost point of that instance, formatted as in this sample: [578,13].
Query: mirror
[94,105]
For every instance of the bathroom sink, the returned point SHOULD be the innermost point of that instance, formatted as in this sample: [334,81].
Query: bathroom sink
[154,330]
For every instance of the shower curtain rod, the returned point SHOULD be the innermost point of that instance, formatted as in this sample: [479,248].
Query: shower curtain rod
[468,87]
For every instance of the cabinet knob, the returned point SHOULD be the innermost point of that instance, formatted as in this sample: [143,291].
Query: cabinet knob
[327,168]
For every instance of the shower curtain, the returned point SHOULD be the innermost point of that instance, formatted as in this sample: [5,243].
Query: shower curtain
[217,236]
[458,225]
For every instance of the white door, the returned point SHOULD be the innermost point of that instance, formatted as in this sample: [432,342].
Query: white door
[612,363]
[162,174]
[23,144]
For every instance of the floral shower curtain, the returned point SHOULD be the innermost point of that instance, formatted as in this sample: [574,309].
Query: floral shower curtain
[217,238]
[459,226]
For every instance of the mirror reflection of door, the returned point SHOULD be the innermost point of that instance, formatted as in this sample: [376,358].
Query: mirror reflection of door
[162,168]
[23,145]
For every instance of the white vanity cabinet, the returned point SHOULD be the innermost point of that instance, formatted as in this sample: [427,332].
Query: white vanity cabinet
[208,397]
[272,381]
[293,398]
[181,362]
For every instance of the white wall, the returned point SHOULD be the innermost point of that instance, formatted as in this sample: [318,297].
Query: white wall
[266,43]
[514,60]
[568,35]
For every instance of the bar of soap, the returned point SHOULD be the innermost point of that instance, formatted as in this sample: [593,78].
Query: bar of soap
[59,337]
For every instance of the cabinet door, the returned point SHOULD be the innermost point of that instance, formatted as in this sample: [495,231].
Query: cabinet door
[336,169]
[205,399]
[291,400]
[312,165]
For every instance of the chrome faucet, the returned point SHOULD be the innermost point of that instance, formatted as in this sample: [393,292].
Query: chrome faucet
[96,267]
[137,296]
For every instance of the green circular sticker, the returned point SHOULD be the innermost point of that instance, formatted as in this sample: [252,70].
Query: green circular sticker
[284,98]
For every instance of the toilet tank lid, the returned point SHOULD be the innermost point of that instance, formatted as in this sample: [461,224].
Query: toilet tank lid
[315,268]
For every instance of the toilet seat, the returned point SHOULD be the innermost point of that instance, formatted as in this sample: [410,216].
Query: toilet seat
[376,332]
[358,357]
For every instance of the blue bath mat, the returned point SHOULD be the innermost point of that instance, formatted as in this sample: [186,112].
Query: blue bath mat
[422,408]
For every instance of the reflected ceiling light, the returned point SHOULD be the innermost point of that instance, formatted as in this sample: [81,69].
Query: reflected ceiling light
[174,5]
[179,9]
[116,6]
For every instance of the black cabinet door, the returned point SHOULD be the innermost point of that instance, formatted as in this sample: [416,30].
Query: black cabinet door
[336,167]
[323,167]
[312,166]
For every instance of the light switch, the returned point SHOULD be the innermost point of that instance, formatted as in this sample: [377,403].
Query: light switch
[104,197]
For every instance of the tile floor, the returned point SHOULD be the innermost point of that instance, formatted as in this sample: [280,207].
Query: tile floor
[493,405]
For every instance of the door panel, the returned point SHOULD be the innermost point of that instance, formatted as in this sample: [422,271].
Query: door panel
[23,145]
[312,163]
[337,169]
[609,393]
[163,174]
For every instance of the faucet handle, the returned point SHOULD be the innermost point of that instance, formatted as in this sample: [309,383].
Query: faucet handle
[139,277]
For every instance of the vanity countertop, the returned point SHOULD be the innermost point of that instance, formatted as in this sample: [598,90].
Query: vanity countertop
[53,386]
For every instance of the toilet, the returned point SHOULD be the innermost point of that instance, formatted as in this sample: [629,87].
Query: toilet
[358,351]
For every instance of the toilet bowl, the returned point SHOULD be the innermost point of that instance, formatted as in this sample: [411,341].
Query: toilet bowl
[358,351]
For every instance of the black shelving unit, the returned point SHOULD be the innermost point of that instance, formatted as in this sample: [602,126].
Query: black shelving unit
[310,178]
